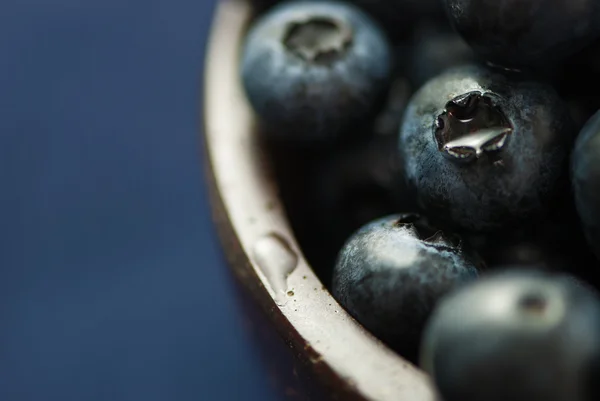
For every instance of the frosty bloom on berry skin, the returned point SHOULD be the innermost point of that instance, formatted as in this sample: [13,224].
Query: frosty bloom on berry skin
[585,176]
[484,150]
[525,32]
[312,70]
[390,274]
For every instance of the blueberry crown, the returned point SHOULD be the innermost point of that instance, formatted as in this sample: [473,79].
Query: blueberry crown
[470,126]
[318,39]
[422,230]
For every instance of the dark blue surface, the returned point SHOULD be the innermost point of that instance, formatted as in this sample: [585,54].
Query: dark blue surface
[111,286]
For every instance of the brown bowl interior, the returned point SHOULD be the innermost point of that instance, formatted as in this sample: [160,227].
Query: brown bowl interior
[262,249]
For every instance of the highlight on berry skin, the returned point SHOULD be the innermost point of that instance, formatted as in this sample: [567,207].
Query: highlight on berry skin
[536,330]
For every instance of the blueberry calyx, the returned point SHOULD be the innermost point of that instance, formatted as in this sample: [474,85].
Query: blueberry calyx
[540,306]
[440,239]
[471,125]
[320,40]
[533,304]
[430,235]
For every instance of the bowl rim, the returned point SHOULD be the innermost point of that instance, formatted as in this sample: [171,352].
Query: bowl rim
[261,247]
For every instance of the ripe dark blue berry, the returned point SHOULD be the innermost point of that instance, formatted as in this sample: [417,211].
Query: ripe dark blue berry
[482,149]
[314,69]
[434,50]
[398,17]
[586,180]
[553,250]
[517,335]
[555,243]
[576,83]
[390,274]
[520,33]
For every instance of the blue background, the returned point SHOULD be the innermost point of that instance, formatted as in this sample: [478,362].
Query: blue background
[112,285]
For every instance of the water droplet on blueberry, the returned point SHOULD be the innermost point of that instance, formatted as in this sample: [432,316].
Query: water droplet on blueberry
[484,150]
[470,126]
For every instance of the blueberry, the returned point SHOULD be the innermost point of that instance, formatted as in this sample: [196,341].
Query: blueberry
[555,243]
[518,336]
[576,83]
[482,149]
[433,51]
[586,179]
[390,274]
[398,17]
[519,33]
[523,249]
[314,69]
[582,107]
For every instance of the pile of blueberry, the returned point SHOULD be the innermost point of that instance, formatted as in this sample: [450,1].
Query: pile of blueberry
[440,164]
